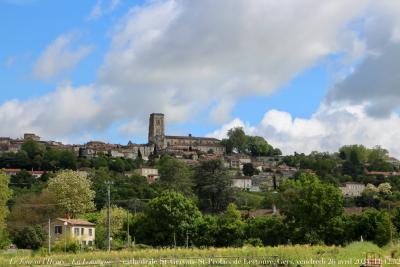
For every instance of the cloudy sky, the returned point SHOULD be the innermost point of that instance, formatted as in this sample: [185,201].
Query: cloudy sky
[305,74]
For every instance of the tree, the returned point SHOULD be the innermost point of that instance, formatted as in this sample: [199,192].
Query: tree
[238,139]
[168,219]
[32,209]
[309,205]
[376,226]
[67,160]
[5,194]
[249,170]
[213,185]
[73,192]
[175,175]
[231,228]
[270,229]
[258,146]
[119,217]
[30,237]
[206,231]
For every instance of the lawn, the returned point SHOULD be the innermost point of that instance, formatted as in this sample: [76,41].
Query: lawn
[297,255]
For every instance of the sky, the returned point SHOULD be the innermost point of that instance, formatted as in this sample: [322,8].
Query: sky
[307,75]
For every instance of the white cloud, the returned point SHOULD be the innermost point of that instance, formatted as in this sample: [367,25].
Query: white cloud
[58,57]
[101,8]
[10,61]
[186,58]
[65,112]
[182,57]
[326,130]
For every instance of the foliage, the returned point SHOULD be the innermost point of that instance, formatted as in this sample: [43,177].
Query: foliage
[231,230]
[249,170]
[206,231]
[168,218]
[73,192]
[271,230]
[376,226]
[126,191]
[309,205]
[119,217]
[212,185]
[38,208]
[239,142]
[30,237]
[175,175]
[5,194]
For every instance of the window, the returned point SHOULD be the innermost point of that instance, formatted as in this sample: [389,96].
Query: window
[76,231]
[82,231]
[90,243]
[90,231]
[58,229]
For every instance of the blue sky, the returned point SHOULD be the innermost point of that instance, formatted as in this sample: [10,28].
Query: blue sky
[75,71]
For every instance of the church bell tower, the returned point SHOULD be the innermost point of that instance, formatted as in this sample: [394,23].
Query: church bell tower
[156,130]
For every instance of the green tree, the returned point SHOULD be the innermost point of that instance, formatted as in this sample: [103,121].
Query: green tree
[119,217]
[168,218]
[249,170]
[73,192]
[30,237]
[175,175]
[309,205]
[270,229]
[32,209]
[5,193]
[213,185]
[67,160]
[206,231]
[231,228]
[238,139]
[258,146]
[376,226]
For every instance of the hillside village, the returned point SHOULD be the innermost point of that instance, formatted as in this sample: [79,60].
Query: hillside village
[241,170]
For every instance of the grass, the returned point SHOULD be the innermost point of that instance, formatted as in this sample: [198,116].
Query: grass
[303,255]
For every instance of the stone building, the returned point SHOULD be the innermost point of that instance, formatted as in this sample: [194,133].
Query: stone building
[161,141]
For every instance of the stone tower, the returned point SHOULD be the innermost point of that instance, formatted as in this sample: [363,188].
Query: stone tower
[156,130]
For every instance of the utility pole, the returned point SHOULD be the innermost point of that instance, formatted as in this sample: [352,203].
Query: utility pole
[390,224]
[127,231]
[49,234]
[108,183]
[187,239]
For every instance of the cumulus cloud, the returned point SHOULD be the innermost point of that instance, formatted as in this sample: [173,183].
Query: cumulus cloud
[101,8]
[375,83]
[327,130]
[186,56]
[58,57]
[65,112]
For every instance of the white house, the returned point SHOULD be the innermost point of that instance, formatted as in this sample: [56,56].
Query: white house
[242,182]
[352,189]
[81,230]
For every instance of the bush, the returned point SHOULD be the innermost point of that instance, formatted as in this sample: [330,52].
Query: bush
[72,245]
[30,237]
[254,242]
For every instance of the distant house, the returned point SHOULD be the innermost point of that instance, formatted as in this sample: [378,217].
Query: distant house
[36,174]
[352,189]
[151,174]
[242,182]
[81,230]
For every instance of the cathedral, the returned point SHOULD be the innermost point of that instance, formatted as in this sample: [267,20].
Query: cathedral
[162,142]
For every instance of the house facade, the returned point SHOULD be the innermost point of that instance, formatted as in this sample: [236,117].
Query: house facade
[352,189]
[80,230]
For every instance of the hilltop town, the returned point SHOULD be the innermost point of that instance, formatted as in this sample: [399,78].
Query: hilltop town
[241,175]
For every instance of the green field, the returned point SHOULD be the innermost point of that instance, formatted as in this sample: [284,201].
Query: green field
[298,255]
